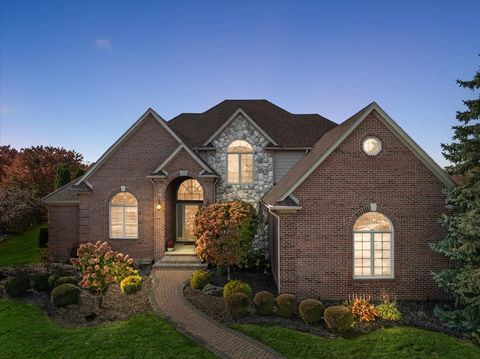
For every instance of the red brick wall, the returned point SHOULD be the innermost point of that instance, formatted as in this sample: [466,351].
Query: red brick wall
[128,166]
[317,241]
[62,230]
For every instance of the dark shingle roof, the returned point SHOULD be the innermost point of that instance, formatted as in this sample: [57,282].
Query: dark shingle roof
[285,128]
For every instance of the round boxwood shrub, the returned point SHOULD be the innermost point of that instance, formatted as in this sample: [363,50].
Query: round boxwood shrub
[17,286]
[199,279]
[236,286]
[287,305]
[65,294]
[131,284]
[339,319]
[311,310]
[237,304]
[65,280]
[40,281]
[52,279]
[264,302]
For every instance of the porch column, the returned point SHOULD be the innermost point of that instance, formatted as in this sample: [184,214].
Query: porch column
[158,219]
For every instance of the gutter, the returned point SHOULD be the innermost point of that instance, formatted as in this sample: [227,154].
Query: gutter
[270,210]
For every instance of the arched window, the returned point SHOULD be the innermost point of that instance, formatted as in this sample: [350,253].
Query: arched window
[373,246]
[239,162]
[124,216]
[190,190]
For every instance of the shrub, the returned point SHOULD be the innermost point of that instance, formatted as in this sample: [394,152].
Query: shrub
[339,319]
[43,238]
[236,286]
[52,279]
[311,310]
[224,232]
[40,281]
[65,294]
[20,208]
[264,303]
[131,284]
[17,286]
[287,305]
[388,311]
[363,310]
[199,279]
[254,259]
[64,280]
[237,304]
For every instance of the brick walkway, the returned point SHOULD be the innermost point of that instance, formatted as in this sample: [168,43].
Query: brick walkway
[167,298]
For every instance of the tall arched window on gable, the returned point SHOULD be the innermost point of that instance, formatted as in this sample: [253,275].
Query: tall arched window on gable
[373,246]
[239,162]
[124,216]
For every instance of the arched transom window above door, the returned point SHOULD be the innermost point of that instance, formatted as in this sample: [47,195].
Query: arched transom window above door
[239,162]
[190,190]
[124,216]
[373,246]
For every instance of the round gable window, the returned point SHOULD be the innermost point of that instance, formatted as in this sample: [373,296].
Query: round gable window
[372,146]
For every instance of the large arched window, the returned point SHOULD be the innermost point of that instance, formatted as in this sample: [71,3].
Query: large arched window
[124,216]
[190,190]
[373,246]
[239,162]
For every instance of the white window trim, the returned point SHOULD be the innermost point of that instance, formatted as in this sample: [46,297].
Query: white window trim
[372,257]
[123,222]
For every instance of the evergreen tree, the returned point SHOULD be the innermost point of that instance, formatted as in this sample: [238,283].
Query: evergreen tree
[462,220]
[79,173]
[63,175]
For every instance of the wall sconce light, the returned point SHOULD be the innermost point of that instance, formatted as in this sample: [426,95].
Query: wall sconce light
[159,206]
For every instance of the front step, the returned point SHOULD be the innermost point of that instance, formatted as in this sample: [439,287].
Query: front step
[179,262]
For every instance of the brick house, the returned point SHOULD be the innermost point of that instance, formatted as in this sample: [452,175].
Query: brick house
[343,208]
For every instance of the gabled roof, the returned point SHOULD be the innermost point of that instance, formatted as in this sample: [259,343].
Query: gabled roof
[332,139]
[123,138]
[284,128]
[161,168]
[63,195]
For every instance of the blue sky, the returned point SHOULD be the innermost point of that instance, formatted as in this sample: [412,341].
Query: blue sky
[77,74]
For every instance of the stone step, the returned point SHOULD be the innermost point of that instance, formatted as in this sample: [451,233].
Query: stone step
[179,261]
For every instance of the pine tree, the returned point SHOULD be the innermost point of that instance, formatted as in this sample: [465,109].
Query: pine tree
[462,220]
[63,175]
[79,173]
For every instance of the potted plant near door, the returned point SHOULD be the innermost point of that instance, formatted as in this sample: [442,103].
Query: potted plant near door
[170,245]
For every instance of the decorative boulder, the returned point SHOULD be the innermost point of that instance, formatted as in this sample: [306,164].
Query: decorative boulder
[17,286]
[287,305]
[339,319]
[237,304]
[52,279]
[264,303]
[311,310]
[211,289]
[40,281]
[65,280]
[65,294]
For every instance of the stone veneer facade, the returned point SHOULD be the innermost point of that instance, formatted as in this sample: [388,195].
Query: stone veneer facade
[242,129]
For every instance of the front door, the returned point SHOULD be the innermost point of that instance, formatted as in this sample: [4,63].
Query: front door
[186,221]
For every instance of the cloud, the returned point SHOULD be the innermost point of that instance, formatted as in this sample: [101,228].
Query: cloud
[104,44]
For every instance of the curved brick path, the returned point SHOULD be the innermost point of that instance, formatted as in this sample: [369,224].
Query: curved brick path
[167,298]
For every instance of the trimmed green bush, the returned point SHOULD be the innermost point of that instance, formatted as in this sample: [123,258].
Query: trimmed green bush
[52,279]
[17,286]
[264,303]
[65,280]
[237,304]
[339,319]
[236,286]
[65,294]
[131,284]
[287,305]
[388,311]
[199,279]
[40,281]
[311,310]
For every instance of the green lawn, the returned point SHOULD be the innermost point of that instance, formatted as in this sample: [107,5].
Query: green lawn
[21,248]
[399,342]
[26,332]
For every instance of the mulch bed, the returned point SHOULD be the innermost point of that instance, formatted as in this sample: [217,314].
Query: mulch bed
[116,305]
[416,314]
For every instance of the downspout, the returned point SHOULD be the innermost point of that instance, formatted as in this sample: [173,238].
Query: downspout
[278,243]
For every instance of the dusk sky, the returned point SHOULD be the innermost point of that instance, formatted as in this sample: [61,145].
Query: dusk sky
[77,74]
